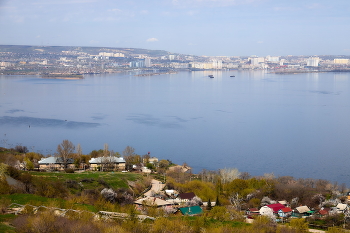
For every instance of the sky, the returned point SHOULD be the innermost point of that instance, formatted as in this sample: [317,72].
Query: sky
[197,27]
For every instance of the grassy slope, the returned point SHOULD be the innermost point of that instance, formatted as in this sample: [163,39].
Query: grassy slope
[4,220]
[113,179]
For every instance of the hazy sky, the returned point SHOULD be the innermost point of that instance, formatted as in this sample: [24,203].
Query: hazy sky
[199,27]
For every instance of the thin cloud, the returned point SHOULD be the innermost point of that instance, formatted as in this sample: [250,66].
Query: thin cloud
[191,13]
[212,3]
[114,10]
[63,2]
[94,42]
[152,40]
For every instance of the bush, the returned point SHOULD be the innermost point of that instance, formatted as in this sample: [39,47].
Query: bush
[299,224]
[69,170]
[48,222]
[13,172]
[54,188]
[103,182]
[72,184]
[5,188]
[87,180]
[4,203]
[21,149]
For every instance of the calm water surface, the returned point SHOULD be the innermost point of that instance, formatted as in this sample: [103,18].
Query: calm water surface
[297,125]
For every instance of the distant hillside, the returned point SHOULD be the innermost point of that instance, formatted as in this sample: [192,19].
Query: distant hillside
[90,50]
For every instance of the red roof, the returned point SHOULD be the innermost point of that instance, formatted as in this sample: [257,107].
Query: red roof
[323,212]
[276,207]
[286,210]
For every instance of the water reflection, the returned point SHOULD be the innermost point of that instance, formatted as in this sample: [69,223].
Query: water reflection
[44,122]
[149,120]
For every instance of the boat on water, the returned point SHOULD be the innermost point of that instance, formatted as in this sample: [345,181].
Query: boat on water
[211,76]
[232,76]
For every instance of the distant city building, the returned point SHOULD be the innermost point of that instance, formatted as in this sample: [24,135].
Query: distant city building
[105,54]
[282,61]
[177,65]
[148,62]
[217,64]
[119,55]
[5,64]
[171,57]
[313,61]
[256,61]
[137,64]
[341,61]
[272,59]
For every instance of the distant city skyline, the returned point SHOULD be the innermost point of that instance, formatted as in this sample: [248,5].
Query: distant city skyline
[198,27]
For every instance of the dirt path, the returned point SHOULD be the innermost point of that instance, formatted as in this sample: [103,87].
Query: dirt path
[314,230]
[156,187]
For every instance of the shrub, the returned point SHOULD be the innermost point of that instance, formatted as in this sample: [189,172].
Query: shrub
[13,172]
[21,149]
[48,222]
[87,180]
[299,224]
[69,170]
[72,184]
[5,188]
[4,203]
[103,182]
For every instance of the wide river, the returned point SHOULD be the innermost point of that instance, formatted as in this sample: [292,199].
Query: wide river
[296,125]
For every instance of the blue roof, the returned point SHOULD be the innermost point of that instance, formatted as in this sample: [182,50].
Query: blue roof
[112,159]
[48,160]
[192,210]
[54,160]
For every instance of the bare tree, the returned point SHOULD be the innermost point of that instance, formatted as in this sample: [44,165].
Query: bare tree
[245,176]
[229,174]
[236,201]
[65,151]
[79,151]
[129,151]
[129,154]
[105,150]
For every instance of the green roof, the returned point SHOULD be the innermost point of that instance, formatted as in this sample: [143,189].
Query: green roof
[193,210]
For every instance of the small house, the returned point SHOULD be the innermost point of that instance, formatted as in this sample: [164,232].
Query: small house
[341,208]
[107,163]
[301,211]
[152,201]
[191,210]
[265,210]
[252,212]
[185,197]
[55,163]
[324,212]
[276,207]
[285,212]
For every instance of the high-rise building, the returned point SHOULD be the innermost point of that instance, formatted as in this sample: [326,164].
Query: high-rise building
[137,64]
[217,64]
[312,61]
[148,62]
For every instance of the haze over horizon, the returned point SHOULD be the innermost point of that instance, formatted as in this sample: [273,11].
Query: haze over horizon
[198,27]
